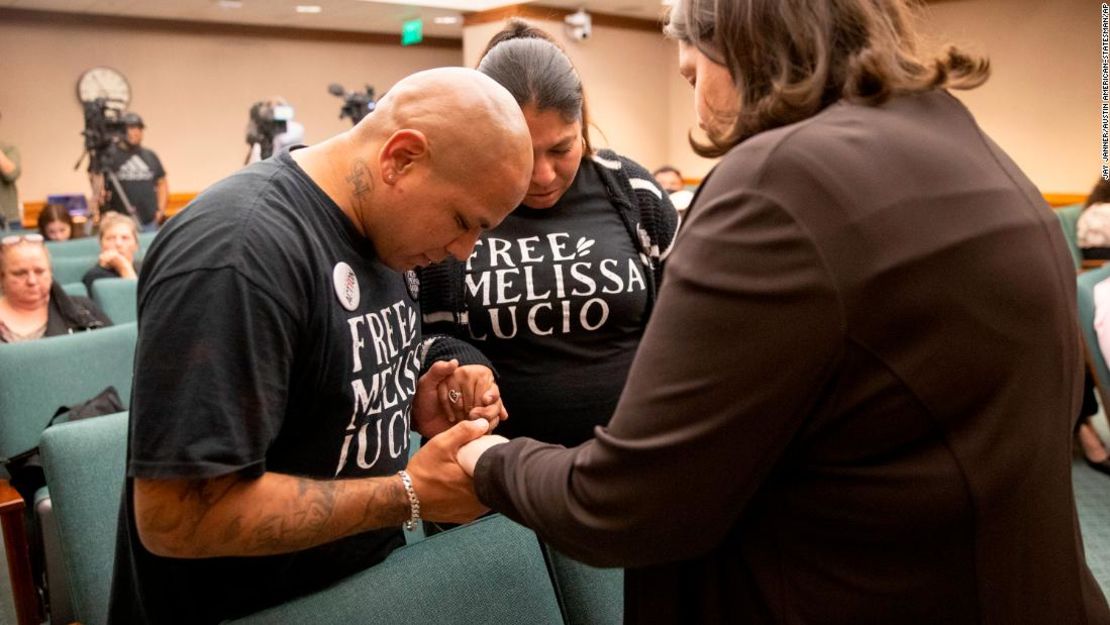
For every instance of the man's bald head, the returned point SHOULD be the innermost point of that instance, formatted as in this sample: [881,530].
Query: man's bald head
[445,154]
[470,121]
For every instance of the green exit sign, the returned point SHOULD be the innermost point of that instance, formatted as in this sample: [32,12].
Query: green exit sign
[412,32]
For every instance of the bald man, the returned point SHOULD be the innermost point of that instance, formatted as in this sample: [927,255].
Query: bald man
[276,378]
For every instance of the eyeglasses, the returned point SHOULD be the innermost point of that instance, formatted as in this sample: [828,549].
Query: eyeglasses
[12,239]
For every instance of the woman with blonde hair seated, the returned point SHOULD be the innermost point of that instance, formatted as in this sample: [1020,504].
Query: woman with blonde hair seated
[119,241]
[32,305]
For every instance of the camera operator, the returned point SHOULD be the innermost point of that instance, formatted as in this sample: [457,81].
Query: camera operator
[271,128]
[9,196]
[141,177]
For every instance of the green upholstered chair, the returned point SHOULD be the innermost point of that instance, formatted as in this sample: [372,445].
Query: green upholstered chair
[1085,286]
[587,595]
[36,377]
[68,269]
[145,239]
[1069,220]
[85,463]
[85,247]
[75,288]
[89,247]
[489,572]
[117,297]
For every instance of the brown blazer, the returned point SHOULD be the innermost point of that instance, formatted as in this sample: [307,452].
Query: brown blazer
[853,402]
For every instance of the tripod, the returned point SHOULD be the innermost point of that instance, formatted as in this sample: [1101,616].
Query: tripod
[100,174]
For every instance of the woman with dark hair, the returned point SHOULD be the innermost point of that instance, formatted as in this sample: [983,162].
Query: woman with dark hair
[852,403]
[55,224]
[558,295]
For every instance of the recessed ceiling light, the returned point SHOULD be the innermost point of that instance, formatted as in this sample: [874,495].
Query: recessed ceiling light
[447,19]
[456,5]
[230,4]
[308,8]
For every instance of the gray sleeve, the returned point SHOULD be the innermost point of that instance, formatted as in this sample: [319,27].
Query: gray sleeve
[12,153]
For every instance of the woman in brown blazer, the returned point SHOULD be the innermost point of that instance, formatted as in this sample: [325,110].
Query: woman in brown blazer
[853,401]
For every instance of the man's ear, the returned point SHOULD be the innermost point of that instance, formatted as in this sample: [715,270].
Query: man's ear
[400,152]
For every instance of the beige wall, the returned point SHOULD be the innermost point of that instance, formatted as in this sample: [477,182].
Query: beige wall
[629,78]
[683,120]
[193,91]
[1041,104]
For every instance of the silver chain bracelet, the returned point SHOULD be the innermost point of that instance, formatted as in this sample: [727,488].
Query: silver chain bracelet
[414,502]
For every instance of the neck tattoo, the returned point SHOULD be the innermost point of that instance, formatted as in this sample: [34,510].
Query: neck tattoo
[362,184]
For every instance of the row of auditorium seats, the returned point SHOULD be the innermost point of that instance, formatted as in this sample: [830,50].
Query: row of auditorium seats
[36,378]
[490,572]
[117,297]
[493,571]
[90,246]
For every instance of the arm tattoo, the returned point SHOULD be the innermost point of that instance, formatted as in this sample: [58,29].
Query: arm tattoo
[307,523]
[229,516]
[377,509]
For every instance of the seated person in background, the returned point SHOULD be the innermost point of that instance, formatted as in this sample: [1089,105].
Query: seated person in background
[32,306]
[671,180]
[1094,451]
[55,224]
[119,240]
[1093,229]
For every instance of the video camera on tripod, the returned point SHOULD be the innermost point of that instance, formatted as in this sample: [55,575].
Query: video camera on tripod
[356,104]
[105,128]
[268,119]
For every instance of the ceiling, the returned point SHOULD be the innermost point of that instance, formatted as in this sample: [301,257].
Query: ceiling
[352,15]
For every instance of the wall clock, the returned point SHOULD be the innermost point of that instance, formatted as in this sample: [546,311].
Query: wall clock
[104,82]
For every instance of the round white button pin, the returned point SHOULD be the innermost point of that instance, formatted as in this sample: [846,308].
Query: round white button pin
[346,286]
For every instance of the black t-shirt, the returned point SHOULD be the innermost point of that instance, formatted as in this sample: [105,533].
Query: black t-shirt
[270,339]
[137,169]
[556,299]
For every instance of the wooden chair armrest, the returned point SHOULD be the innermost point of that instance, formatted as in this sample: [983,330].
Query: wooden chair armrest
[18,552]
